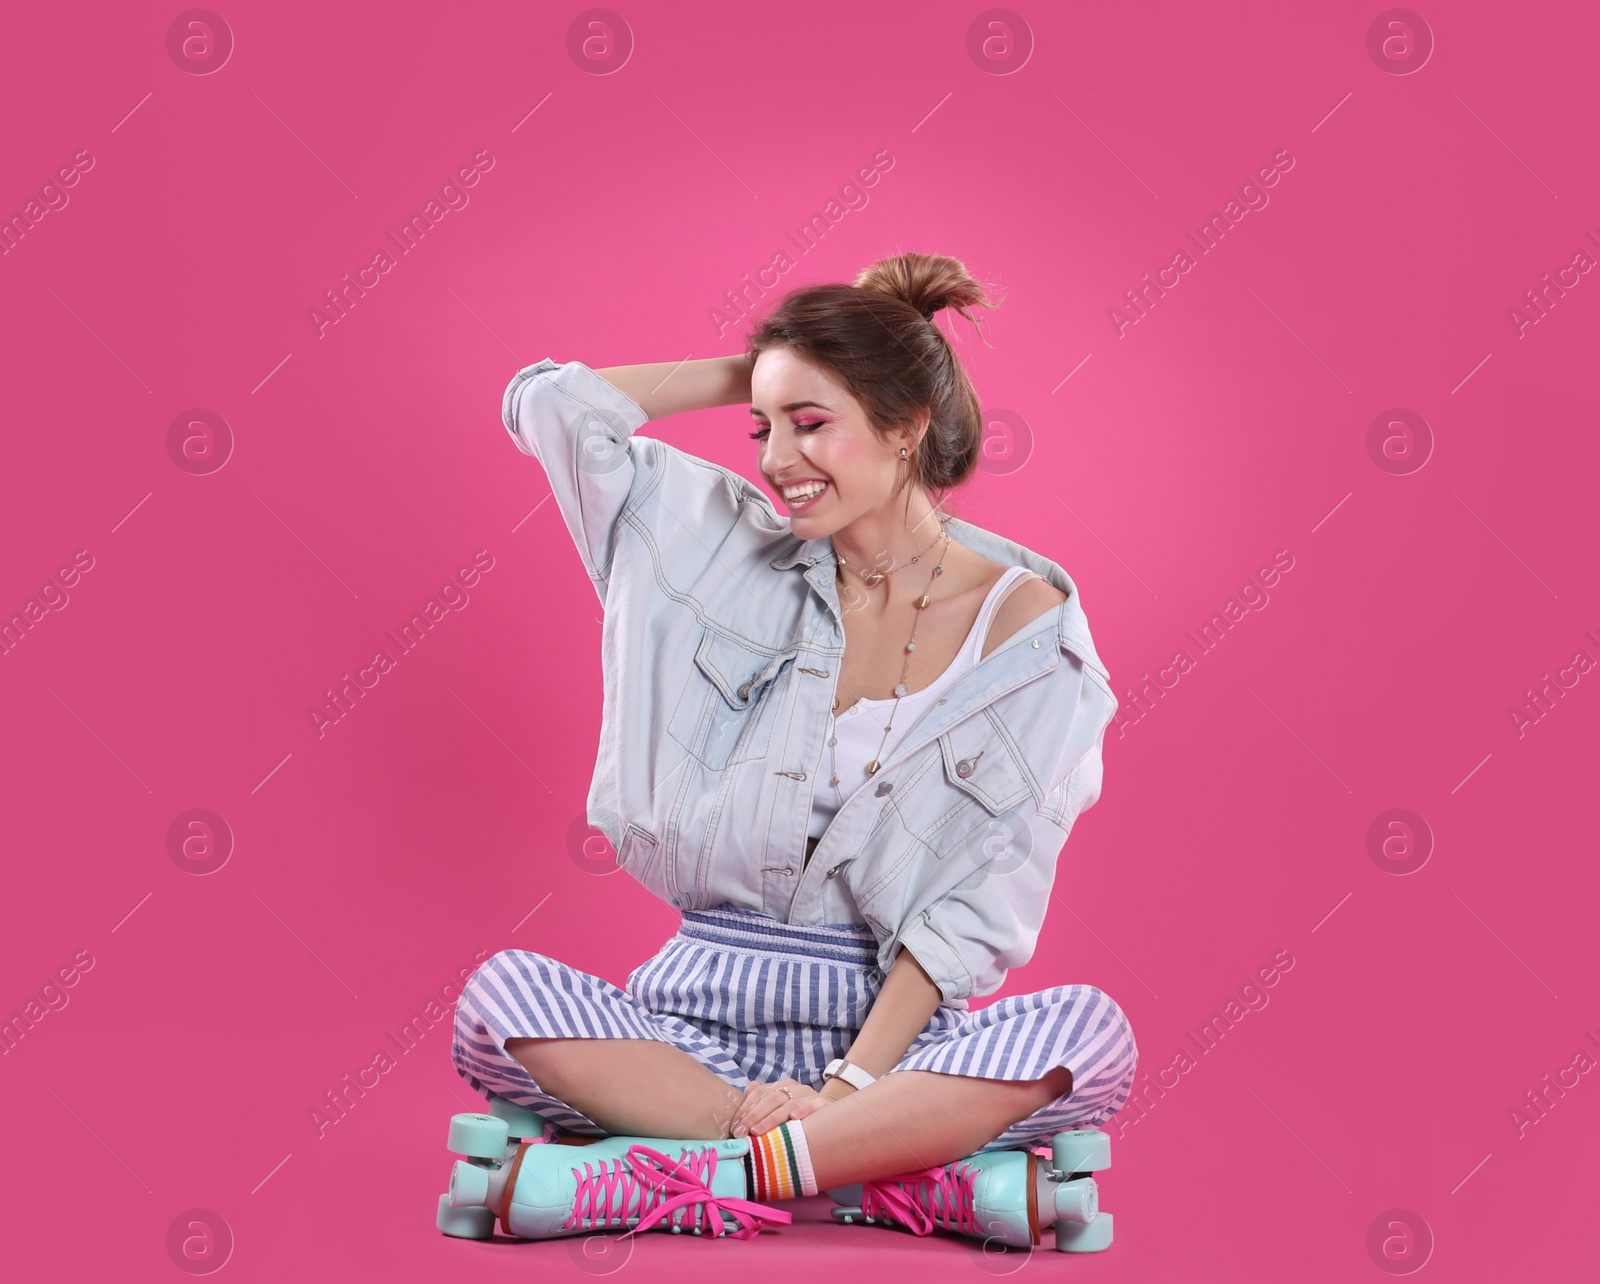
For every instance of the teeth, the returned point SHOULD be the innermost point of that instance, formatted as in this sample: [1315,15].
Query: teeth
[804,492]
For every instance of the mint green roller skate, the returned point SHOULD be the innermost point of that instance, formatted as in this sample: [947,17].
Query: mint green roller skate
[489,1139]
[616,1183]
[993,1196]
[1074,1159]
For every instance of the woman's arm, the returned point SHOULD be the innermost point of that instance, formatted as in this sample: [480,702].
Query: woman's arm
[579,424]
[907,998]
[662,388]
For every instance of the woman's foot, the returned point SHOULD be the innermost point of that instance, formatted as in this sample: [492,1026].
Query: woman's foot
[993,1195]
[618,1183]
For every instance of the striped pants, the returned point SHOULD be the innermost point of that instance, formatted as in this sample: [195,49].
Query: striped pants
[755,1000]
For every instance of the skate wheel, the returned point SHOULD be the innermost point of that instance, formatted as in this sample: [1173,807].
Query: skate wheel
[469,1185]
[1076,1237]
[846,1215]
[478,1136]
[1085,1150]
[464,1223]
[1077,1201]
[521,1121]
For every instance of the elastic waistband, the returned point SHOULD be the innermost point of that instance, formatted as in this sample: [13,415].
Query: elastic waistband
[744,929]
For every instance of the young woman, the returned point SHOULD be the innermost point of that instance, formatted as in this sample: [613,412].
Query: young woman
[848,746]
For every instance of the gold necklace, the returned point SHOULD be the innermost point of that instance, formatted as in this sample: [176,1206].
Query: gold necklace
[921,604]
[874,577]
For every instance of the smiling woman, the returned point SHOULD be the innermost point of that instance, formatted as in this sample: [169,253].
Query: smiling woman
[877,338]
[875,750]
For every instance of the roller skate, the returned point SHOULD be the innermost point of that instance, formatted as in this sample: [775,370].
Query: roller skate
[547,1191]
[479,1136]
[993,1196]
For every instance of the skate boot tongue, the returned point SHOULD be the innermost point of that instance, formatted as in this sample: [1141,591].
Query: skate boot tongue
[935,1198]
[646,1186]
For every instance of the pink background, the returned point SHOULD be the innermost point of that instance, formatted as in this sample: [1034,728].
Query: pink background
[370,865]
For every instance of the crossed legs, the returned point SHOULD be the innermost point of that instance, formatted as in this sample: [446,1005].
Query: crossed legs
[908,1119]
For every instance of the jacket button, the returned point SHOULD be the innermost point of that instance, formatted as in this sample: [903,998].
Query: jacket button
[744,691]
[884,788]
[964,768]
[1036,644]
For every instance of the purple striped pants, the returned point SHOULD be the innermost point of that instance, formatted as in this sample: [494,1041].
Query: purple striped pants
[755,1000]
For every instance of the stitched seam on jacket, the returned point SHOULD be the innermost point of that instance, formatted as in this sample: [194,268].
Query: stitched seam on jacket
[605,413]
[508,399]
[1058,815]
[986,707]
[631,514]
[1017,756]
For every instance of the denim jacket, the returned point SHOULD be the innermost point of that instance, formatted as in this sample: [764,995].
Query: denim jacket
[720,654]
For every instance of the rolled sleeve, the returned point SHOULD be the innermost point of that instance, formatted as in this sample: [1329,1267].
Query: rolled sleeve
[937,957]
[580,428]
[971,936]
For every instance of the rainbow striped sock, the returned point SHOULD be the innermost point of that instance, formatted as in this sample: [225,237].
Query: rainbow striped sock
[779,1164]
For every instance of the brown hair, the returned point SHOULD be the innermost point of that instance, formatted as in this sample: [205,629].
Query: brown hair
[877,337]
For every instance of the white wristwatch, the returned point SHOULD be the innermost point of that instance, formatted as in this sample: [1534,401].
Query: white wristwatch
[854,1075]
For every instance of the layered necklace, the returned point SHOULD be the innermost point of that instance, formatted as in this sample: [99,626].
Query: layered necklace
[872,577]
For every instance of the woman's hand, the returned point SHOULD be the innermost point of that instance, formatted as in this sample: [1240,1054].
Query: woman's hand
[766,1105]
[662,388]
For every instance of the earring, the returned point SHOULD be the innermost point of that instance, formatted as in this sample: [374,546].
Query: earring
[903,454]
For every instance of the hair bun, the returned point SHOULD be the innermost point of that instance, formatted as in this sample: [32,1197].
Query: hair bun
[874,338]
[927,282]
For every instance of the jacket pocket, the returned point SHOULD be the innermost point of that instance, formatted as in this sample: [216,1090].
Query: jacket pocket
[963,803]
[726,711]
[638,850]
[980,763]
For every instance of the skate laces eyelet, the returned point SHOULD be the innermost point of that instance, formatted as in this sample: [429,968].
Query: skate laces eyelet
[645,1186]
[933,1198]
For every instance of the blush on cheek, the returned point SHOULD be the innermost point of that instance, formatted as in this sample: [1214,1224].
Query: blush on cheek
[855,451]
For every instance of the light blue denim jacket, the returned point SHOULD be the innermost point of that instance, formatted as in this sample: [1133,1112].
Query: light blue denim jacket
[720,655]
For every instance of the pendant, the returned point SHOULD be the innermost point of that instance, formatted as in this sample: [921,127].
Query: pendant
[872,767]
[873,578]
[834,782]
[900,690]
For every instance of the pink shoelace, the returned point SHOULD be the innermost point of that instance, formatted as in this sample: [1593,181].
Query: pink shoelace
[648,1185]
[934,1197]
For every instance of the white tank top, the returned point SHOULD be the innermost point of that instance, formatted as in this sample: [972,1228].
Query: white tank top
[859,730]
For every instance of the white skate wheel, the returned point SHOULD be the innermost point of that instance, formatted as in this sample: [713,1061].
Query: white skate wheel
[469,1185]
[478,1136]
[1085,1150]
[464,1223]
[1076,1237]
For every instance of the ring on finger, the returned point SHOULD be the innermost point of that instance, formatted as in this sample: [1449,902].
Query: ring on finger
[786,1092]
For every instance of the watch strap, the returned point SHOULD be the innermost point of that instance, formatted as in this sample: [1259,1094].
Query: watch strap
[852,1074]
